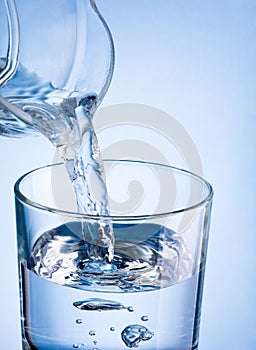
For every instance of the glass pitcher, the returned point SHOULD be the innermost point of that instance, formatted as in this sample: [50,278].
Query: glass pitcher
[55,56]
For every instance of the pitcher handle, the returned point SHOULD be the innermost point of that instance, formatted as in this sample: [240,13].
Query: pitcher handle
[9,64]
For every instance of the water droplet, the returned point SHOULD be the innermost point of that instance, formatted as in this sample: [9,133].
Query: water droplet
[144,318]
[91,333]
[133,334]
[130,309]
[79,321]
[95,342]
[112,329]
[96,304]
[76,346]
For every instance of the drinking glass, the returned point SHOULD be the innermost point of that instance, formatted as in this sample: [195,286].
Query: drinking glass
[149,295]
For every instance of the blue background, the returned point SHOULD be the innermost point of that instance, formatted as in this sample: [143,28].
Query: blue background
[196,61]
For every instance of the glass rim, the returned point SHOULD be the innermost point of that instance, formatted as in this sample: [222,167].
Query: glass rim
[23,198]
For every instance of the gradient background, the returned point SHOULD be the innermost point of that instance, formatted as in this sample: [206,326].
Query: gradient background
[196,61]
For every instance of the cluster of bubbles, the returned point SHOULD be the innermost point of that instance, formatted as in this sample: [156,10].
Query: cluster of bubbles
[131,335]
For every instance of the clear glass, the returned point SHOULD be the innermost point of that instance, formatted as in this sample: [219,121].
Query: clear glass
[149,296]
[55,56]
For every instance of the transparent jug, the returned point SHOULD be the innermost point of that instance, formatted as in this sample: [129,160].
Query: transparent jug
[55,57]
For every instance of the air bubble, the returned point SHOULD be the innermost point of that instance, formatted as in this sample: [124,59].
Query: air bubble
[92,333]
[144,318]
[79,321]
[96,304]
[112,329]
[133,334]
[130,309]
